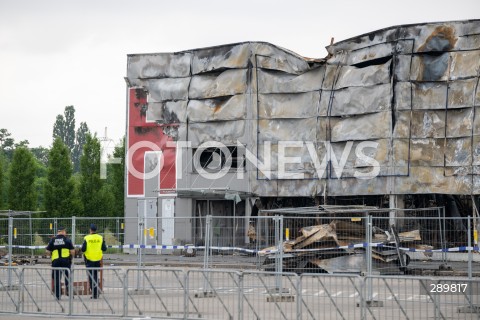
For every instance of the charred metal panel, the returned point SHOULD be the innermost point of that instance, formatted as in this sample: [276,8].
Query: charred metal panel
[287,130]
[228,132]
[476,151]
[307,187]
[459,123]
[222,57]
[281,82]
[372,126]
[464,64]
[426,152]
[222,108]
[267,56]
[402,124]
[282,105]
[425,95]
[461,93]
[167,111]
[354,165]
[167,89]
[160,65]
[458,152]
[361,100]
[469,42]
[362,77]
[428,124]
[226,83]
[354,187]
[370,53]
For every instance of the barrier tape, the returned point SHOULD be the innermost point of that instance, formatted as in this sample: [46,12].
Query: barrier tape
[350,246]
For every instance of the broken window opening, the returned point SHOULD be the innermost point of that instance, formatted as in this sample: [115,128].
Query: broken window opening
[373,62]
[213,159]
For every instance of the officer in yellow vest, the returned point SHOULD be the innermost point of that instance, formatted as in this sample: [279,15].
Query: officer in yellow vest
[93,247]
[62,251]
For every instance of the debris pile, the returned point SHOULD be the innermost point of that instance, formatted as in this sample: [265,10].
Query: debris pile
[340,247]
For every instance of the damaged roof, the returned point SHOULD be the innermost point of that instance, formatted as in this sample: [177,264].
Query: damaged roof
[411,89]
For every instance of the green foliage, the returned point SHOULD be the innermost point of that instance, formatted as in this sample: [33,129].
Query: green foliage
[80,140]
[7,144]
[39,242]
[59,128]
[91,184]
[59,187]
[1,181]
[40,191]
[41,154]
[111,240]
[5,181]
[69,138]
[117,172]
[21,192]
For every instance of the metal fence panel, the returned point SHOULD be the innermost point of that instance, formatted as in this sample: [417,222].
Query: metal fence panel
[111,288]
[330,296]
[37,293]
[270,295]
[413,298]
[214,294]
[10,282]
[158,293]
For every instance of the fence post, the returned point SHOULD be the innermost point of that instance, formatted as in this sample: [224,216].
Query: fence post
[125,294]
[118,230]
[206,255]
[10,251]
[240,296]
[469,237]
[279,254]
[441,224]
[369,257]
[139,252]
[74,228]
[299,297]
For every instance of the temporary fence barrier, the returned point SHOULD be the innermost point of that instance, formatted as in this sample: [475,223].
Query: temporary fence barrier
[271,242]
[165,293]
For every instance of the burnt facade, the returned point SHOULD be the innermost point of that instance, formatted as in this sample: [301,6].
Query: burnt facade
[392,112]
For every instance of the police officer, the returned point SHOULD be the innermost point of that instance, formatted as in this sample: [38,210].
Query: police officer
[62,251]
[92,248]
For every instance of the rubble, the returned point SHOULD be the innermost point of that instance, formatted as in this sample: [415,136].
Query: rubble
[332,248]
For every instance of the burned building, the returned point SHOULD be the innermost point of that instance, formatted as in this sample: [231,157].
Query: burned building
[391,113]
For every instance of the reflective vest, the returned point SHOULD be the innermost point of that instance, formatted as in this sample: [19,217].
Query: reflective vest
[94,247]
[65,253]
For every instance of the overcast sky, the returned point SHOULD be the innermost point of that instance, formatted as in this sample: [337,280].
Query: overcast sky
[55,53]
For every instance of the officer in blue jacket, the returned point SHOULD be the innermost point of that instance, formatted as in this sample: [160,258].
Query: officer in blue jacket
[62,252]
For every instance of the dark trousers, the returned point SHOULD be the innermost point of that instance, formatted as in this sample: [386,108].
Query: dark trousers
[57,275]
[93,277]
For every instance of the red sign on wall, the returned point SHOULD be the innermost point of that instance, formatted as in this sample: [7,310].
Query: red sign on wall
[144,137]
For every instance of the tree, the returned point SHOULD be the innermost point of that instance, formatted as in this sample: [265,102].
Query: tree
[41,154]
[64,127]
[1,181]
[80,139]
[21,191]
[59,187]
[91,184]
[70,128]
[59,128]
[7,144]
[118,179]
